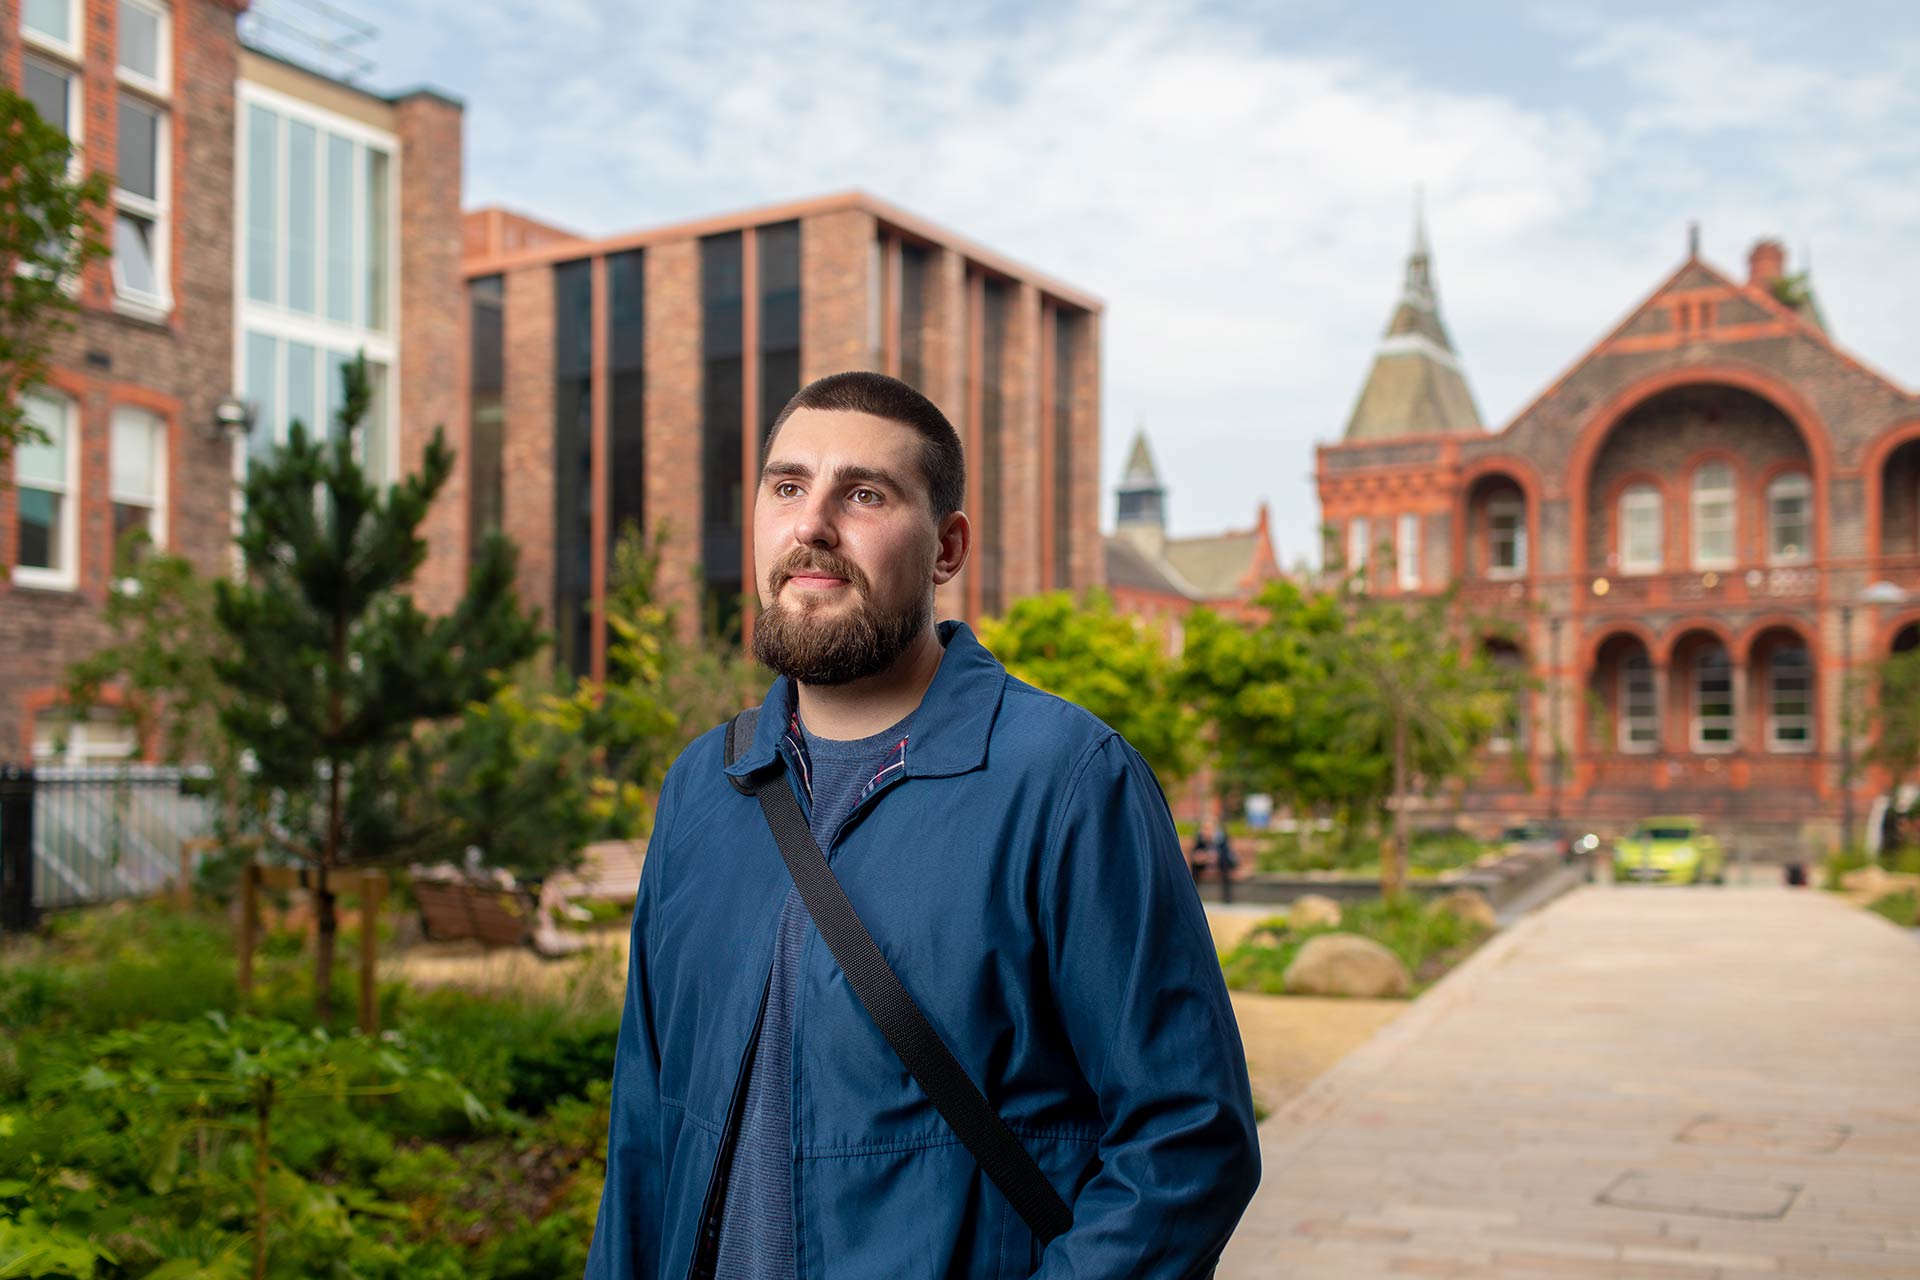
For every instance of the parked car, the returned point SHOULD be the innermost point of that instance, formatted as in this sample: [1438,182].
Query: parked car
[1548,839]
[1669,850]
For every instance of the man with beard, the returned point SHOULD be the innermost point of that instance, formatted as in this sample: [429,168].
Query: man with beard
[1016,866]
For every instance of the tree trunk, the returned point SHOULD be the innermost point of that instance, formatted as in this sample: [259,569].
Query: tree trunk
[1393,868]
[326,927]
[324,916]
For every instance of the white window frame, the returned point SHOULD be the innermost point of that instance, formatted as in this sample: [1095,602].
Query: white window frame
[162,86]
[1625,736]
[275,319]
[1777,722]
[1358,534]
[156,502]
[76,19]
[1516,507]
[158,305]
[85,742]
[1407,552]
[67,577]
[76,101]
[1790,484]
[1699,497]
[1698,722]
[1643,500]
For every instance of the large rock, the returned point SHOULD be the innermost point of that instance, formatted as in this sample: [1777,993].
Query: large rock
[1313,910]
[1346,964]
[1470,906]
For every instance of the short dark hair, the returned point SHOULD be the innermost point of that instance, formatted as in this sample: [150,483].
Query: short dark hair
[858,391]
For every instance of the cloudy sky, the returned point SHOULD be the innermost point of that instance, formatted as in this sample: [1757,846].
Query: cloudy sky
[1236,180]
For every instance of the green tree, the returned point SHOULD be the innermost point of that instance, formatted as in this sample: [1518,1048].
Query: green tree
[1411,700]
[1104,661]
[331,665]
[1895,716]
[49,230]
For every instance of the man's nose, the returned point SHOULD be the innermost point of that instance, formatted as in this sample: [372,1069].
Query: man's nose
[815,525]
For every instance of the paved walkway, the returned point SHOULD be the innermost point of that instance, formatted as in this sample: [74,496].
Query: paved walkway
[1663,1084]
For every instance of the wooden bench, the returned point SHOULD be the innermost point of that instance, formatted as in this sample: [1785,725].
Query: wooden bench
[455,909]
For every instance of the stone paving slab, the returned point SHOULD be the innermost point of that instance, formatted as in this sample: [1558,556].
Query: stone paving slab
[1657,1083]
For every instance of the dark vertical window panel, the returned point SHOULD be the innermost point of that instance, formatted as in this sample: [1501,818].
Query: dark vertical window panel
[1065,325]
[779,285]
[998,300]
[486,493]
[626,362]
[913,315]
[722,507]
[573,465]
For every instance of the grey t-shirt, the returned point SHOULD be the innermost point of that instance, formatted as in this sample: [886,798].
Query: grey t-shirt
[756,1224]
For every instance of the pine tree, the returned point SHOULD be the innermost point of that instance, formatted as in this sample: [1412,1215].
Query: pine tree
[333,667]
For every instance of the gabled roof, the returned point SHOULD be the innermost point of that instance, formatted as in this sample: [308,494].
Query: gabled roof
[1416,385]
[1129,565]
[1216,566]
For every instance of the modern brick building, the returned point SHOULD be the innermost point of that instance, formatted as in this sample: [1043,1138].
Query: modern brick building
[632,379]
[267,222]
[1679,535]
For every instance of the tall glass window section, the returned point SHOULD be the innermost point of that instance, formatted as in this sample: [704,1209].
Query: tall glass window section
[573,465]
[626,365]
[989,544]
[779,252]
[722,504]
[486,496]
[1063,383]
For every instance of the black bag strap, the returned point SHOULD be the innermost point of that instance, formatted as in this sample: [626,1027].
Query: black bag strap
[919,1047]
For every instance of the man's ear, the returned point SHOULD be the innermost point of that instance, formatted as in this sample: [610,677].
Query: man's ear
[956,541]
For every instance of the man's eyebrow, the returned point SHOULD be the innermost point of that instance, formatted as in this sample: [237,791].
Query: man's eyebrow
[842,475]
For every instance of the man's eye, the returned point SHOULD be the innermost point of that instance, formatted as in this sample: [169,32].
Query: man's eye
[865,497]
[786,489]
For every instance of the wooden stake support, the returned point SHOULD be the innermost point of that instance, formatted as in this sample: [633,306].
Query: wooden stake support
[369,886]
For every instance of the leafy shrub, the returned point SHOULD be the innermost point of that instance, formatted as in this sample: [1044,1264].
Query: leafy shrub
[1902,907]
[1839,863]
[1428,941]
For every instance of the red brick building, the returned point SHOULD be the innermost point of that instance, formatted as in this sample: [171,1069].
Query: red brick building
[266,223]
[1679,534]
[630,380]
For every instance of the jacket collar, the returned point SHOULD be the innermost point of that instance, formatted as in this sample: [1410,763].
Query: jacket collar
[950,727]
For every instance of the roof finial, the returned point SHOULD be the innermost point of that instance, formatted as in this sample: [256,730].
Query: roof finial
[1693,239]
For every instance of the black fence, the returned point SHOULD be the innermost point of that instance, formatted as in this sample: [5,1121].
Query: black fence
[74,836]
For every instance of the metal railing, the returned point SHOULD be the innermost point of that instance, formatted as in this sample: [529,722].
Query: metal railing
[72,836]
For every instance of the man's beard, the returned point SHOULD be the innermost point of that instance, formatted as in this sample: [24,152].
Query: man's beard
[862,640]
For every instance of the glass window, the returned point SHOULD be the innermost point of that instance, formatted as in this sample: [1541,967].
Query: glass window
[142,42]
[1357,536]
[52,20]
[377,251]
[302,152]
[104,738]
[138,146]
[779,253]
[573,465]
[1640,529]
[137,470]
[50,89]
[721,391]
[339,229]
[1790,519]
[1789,700]
[1639,728]
[333,390]
[302,385]
[372,446]
[1407,552]
[1713,709]
[1506,536]
[44,484]
[263,391]
[1713,516]
[136,262]
[263,206]
[486,370]
[627,405]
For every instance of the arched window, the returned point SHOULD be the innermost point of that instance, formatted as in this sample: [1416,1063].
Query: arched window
[1713,517]
[1639,706]
[1713,709]
[1789,700]
[1790,519]
[1640,530]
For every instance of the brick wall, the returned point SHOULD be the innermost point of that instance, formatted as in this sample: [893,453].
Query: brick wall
[1087,561]
[673,417]
[835,262]
[179,368]
[433,329]
[526,452]
[1021,443]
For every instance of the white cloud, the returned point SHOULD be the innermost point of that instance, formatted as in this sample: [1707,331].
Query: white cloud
[1240,203]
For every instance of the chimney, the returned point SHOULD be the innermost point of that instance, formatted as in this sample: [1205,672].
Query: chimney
[1767,263]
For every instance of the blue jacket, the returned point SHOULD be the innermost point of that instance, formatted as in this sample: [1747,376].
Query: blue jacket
[1022,876]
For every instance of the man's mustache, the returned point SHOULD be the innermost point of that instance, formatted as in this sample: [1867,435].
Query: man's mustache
[815,560]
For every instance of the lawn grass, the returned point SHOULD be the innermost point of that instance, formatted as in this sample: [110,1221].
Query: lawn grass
[1427,940]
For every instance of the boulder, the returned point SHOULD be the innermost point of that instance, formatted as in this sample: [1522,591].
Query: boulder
[1311,910]
[1346,964]
[1469,905]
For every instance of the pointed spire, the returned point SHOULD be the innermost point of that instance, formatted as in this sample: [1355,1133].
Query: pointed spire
[1143,499]
[1416,386]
